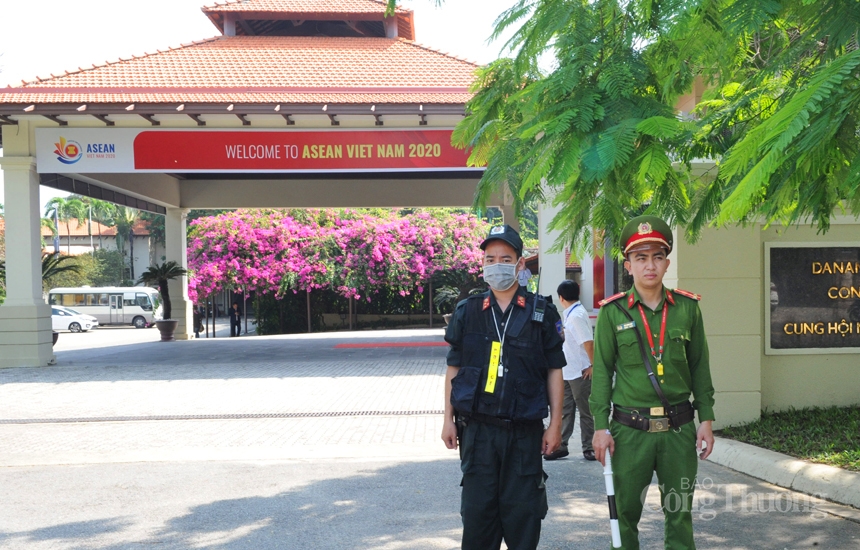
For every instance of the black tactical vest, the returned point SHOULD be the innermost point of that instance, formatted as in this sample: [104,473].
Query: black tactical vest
[521,393]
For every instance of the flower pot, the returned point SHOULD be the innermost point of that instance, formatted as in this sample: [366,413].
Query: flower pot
[167,328]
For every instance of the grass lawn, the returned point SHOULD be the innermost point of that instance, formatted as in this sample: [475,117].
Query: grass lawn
[826,436]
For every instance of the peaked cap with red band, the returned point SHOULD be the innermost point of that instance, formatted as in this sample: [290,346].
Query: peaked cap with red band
[644,230]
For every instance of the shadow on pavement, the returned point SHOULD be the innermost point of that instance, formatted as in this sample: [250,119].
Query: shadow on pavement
[411,505]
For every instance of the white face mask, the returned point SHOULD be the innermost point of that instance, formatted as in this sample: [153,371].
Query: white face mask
[500,277]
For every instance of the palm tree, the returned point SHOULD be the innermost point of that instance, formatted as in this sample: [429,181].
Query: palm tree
[158,275]
[48,223]
[103,213]
[125,218]
[54,265]
[66,210]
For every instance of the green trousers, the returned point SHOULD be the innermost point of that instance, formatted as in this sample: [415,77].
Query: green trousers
[672,455]
[504,487]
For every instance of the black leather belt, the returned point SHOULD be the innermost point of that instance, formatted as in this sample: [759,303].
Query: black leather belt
[655,419]
[502,422]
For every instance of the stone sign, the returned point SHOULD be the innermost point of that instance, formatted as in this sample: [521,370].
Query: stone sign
[814,297]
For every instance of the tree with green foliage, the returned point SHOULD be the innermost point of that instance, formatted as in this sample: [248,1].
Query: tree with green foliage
[111,268]
[598,133]
[55,269]
[66,210]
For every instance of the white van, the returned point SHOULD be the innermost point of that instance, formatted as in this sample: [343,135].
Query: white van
[112,305]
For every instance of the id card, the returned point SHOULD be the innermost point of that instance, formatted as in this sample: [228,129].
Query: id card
[493,370]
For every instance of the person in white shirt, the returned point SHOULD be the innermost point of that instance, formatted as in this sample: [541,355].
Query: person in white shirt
[579,353]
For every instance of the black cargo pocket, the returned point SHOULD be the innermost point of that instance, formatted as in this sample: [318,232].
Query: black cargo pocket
[543,505]
[530,460]
[531,400]
[463,388]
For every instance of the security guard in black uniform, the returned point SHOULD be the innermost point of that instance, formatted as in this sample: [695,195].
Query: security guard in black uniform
[504,369]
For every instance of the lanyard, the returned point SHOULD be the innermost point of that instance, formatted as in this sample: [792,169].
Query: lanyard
[657,355]
[501,335]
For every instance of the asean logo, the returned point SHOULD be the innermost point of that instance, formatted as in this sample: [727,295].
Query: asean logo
[68,152]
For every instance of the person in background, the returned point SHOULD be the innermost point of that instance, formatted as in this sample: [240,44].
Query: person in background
[579,354]
[235,320]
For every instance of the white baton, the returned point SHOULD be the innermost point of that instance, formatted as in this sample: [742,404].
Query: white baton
[610,493]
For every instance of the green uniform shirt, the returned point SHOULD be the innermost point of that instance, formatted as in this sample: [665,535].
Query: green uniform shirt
[616,351]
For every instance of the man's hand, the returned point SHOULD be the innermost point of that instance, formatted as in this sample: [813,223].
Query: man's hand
[551,439]
[602,442]
[449,433]
[586,373]
[705,433]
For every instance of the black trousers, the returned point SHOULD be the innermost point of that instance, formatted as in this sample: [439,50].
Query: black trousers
[235,327]
[504,487]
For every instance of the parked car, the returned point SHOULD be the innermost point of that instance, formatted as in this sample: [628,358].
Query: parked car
[64,320]
[93,321]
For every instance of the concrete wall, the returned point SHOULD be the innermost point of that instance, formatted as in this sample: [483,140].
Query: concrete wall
[810,380]
[727,268]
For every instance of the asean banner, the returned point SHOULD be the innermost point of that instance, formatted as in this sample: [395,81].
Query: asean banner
[88,150]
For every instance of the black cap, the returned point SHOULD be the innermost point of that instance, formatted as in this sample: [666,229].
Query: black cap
[504,233]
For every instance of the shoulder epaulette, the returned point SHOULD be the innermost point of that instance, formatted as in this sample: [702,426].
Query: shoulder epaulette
[688,294]
[611,299]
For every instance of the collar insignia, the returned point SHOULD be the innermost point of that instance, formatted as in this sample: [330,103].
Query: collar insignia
[644,228]
[486,303]
[630,300]
[521,301]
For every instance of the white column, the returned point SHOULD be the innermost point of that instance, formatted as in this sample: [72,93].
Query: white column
[176,250]
[552,264]
[25,318]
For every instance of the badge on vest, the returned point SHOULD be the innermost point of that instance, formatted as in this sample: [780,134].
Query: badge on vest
[625,326]
[495,368]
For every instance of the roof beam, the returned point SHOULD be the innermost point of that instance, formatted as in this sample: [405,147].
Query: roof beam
[423,121]
[6,120]
[249,31]
[378,120]
[56,119]
[150,118]
[104,119]
[290,121]
[245,120]
[196,117]
[334,121]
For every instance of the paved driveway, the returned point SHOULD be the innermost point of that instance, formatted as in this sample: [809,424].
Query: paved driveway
[321,441]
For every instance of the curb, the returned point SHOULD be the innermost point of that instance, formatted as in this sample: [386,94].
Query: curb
[826,482]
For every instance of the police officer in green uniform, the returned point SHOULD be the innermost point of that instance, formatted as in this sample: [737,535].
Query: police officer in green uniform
[504,369]
[653,341]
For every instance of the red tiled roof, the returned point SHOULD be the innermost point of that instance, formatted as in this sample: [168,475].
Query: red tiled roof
[263,69]
[303,6]
[75,229]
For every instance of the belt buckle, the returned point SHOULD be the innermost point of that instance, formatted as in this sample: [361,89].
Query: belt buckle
[658,425]
[657,411]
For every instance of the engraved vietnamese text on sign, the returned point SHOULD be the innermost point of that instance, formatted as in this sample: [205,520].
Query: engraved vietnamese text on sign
[814,297]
